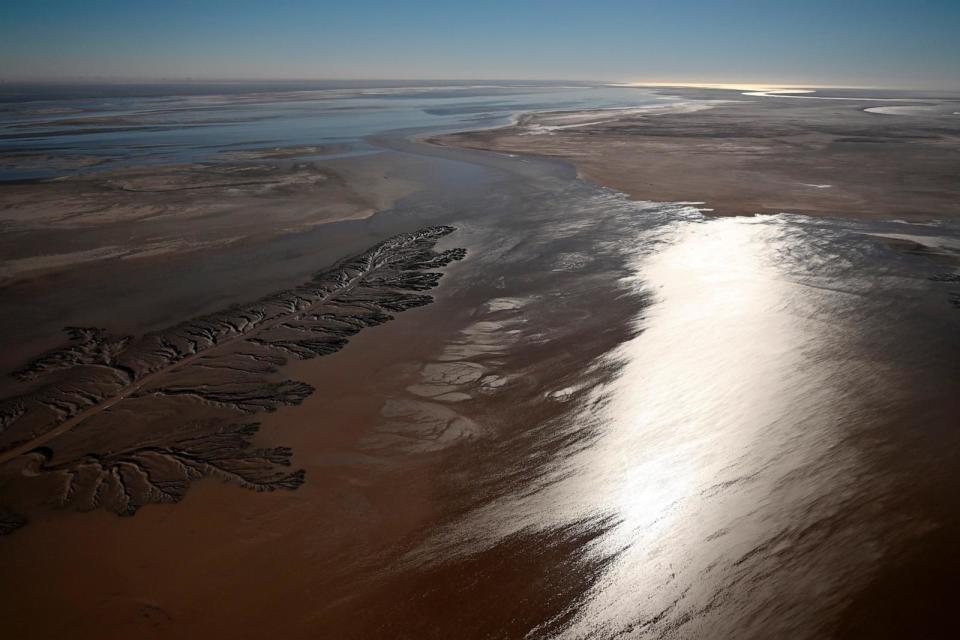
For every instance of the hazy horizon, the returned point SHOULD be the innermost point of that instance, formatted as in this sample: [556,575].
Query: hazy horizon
[372,82]
[859,44]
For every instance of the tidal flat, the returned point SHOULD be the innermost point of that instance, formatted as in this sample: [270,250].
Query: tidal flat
[343,381]
[825,152]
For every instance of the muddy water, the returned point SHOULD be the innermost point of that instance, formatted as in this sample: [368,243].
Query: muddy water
[618,419]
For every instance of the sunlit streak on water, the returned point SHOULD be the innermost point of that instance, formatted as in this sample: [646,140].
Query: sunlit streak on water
[717,461]
[716,403]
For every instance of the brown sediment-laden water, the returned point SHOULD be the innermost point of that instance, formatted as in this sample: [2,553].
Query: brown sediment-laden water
[614,419]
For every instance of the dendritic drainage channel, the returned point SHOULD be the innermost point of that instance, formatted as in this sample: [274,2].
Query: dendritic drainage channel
[119,422]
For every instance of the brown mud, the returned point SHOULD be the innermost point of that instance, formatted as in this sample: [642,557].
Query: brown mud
[75,424]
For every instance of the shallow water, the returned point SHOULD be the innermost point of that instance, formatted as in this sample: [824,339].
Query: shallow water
[116,129]
[743,472]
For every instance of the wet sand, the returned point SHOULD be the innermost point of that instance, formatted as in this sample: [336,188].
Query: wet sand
[758,154]
[387,464]
[613,419]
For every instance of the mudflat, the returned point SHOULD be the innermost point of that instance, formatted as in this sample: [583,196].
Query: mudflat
[827,153]
[507,403]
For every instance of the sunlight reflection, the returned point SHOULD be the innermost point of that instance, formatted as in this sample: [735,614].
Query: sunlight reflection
[685,430]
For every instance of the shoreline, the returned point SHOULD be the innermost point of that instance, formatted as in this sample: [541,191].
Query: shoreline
[744,156]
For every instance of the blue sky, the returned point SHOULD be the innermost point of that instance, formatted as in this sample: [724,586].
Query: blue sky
[849,42]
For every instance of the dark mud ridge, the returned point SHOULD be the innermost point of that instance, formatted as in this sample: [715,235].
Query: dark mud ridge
[119,422]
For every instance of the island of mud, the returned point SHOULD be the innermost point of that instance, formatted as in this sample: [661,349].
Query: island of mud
[824,154]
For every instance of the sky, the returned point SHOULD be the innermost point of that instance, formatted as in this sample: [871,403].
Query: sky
[882,43]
